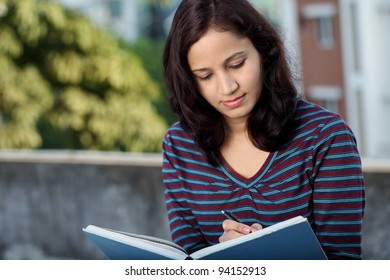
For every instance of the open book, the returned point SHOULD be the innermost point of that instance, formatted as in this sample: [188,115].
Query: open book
[292,239]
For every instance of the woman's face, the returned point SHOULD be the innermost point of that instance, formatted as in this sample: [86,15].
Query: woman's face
[228,74]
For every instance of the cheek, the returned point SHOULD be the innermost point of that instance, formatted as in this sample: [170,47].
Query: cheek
[254,79]
[207,92]
[209,98]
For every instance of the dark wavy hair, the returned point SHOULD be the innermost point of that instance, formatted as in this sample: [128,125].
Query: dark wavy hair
[271,120]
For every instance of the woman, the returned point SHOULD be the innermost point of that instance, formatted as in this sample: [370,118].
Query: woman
[245,142]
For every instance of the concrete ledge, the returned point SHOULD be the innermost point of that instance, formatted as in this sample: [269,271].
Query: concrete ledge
[46,198]
[81,157]
[370,165]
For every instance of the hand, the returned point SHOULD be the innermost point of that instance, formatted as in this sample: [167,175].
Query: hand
[234,229]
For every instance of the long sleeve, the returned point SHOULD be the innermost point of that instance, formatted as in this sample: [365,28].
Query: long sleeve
[338,191]
[184,228]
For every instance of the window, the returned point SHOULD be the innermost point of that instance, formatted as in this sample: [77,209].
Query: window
[115,8]
[325,36]
[323,15]
[355,37]
[326,96]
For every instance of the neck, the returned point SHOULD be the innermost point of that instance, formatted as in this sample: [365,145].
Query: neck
[236,128]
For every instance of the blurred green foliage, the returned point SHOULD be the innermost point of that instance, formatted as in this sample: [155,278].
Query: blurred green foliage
[150,51]
[66,84]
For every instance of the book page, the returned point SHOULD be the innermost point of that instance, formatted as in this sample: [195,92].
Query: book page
[230,243]
[154,240]
[152,244]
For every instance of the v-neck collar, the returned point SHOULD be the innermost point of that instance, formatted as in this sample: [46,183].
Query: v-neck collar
[241,180]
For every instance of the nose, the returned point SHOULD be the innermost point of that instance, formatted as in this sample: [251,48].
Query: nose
[227,84]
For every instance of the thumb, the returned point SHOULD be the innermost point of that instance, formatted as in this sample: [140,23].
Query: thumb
[256,227]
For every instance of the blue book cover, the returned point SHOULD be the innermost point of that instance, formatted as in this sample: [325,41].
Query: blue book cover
[292,239]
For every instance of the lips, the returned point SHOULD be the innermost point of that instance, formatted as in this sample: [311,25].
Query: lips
[234,102]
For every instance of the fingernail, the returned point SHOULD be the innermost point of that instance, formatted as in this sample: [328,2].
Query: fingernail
[247,229]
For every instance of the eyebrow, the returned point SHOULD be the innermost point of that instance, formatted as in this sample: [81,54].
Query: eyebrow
[226,61]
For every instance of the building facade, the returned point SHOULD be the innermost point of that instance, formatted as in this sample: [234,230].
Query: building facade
[321,54]
[121,17]
[341,47]
[129,19]
[365,28]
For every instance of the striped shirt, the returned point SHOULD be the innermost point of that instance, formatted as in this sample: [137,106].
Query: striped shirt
[317,174]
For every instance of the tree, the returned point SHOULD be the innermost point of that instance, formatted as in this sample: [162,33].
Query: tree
[150,51]
[64,79]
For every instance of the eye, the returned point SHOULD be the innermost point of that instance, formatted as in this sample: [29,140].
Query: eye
[205,78]
[238,65]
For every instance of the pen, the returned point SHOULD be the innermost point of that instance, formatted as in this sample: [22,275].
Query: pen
[230,216]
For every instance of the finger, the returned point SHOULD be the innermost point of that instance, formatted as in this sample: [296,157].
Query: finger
[229,225]
[228,235]
[256,227]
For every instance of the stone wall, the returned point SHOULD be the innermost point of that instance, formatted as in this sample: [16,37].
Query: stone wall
[46,198]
